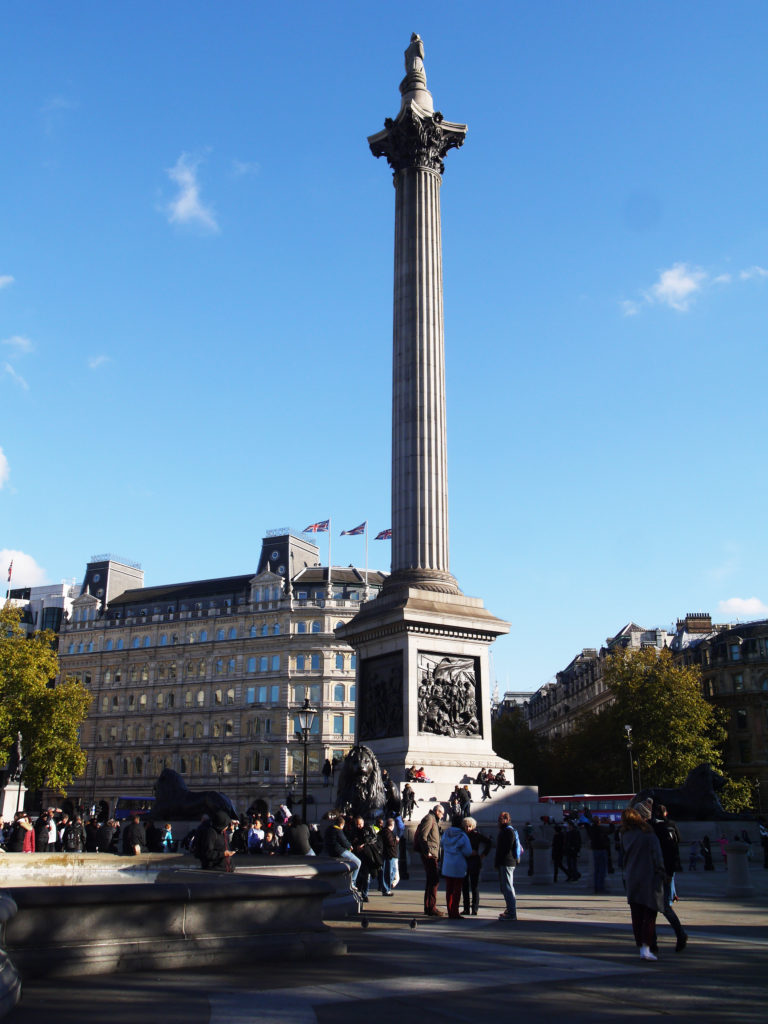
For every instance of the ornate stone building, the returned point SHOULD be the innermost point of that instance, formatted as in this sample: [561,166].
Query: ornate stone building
[206,677]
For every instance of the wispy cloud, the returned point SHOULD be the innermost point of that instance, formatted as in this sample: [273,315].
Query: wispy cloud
[751,272]
[680,285]
[96,361]
[53,103]
[5,280]
[742,608]
[26,571]
[18,344]
[5,469]
[242,167]
[15,377]
[187,207]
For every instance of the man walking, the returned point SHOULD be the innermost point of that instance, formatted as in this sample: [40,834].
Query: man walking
[427,844]
[669,840]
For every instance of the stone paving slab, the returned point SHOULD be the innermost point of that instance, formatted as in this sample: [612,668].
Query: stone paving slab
[570,957]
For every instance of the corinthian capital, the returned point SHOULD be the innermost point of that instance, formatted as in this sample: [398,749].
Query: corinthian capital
[417,138]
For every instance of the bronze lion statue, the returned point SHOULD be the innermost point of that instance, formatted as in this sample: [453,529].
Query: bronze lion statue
[360,787]
[696,799]
[174,801]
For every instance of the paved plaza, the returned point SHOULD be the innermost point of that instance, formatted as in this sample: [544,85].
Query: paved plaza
[570,957]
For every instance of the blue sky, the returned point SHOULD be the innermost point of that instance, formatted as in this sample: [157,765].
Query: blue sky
[196,279]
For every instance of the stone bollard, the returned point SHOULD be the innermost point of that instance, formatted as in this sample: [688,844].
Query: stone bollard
[542,863]
[739,884]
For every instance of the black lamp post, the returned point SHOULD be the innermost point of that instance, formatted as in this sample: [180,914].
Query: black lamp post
[628,730]
[306,721]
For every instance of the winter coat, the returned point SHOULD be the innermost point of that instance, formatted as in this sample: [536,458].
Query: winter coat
[506,848]
[427,839]
[643,868]
[456,849]
[336,842]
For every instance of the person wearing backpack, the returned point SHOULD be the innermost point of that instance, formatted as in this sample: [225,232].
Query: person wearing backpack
[508,854]
[73,840]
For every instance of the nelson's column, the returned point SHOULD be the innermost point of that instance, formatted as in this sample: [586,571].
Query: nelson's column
[422,666]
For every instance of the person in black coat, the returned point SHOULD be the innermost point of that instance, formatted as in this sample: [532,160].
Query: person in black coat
[481,845]
[134,838]
[211,845]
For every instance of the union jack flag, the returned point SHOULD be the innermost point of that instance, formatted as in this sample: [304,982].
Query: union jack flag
[318,527]
[384,535]
[356,532]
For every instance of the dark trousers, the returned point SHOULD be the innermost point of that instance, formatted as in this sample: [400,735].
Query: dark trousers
[470,884]
[600,866]
[669,913]
[453,895]
[643,924]
[431,882]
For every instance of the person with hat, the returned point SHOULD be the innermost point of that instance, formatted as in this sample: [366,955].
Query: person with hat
[643,876]
[211,845]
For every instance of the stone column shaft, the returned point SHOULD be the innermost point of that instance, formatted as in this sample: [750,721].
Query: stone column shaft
[419,464]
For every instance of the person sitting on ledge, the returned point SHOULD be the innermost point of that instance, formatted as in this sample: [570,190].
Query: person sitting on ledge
[501,779]
[419,775]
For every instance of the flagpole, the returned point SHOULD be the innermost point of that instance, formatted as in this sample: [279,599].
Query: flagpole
[330,584]
[366,559]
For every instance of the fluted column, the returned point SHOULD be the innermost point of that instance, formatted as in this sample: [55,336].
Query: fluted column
[414,145]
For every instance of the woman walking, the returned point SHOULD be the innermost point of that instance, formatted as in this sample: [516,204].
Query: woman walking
[643,876]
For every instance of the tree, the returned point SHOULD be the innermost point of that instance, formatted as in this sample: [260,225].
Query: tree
[48,717]
[513,740]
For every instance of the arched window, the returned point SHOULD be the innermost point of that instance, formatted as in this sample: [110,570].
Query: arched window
[168,731]
[231,667]
[316,626]
[110,766]
[252,631]
[140,733]
[100,766]
[203,635]
[338,691]
[157,731]
[136,642]
[90,646]
[191,638]
[164,640]
[201,670]
[231,695]
[138,766]
[219,634]
[107,646]
[159,700]
[183,766]
[301,627]
[196,762]
[217,697]
[145,673]
[200,698]
[129,733]
[233,633]
[265,630]
[219,666]
[198,730]
[146,641]
[120,643]
[143,701]
[71,649]
[229,728]
[227,764]
[186,731]
[170,700]
[107,676]
[125,769]
[188,699]
[216,730]
[214,763]
[276,629]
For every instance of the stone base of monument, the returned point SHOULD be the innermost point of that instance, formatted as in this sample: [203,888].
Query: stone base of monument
[10,981]
[522,802]
[13,799]
[185,919]
[739,883]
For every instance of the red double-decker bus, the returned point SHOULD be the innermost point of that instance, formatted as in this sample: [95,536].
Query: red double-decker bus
[600,805]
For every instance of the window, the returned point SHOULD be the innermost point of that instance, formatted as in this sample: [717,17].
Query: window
[203,635]
[200,698]
[252,631]
[745,752]
[143,701]
[316,627]
[250,695]
[314,731]
[168,731]
[338,725]
[251,665]
[275,662]
[315,662]
[741,718]
[216,730]
[338,624]
[105,703]
[738,682]
[353,692]
[159,700]
[198,730]
[351,724]
[71,649]
[217,696]
[735,650]
[201,670]
[300,660]
[164,640]
[265,630]
[353,662]
[302,595]
[129,733]
[183,766]
[107,646]
[220,634]
[120,643]
[254,761]
[338,692]
[146,641]
[170,700]
[231,667]
[138,766]
[229,727]
[301,627]
[340,662]
[191,638]
[219,666]
[263,662]
[135,643]
[276,629]
[186,731]
[233,633]
[230,696]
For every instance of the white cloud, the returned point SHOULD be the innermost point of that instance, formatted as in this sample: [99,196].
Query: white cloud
[5,469]
[630,308]
[26,571]
[751,272]
[96,361]
[722,279]
[187,207]
[19,344]
[742,608]
[5,280]
[16,377]
[677,286]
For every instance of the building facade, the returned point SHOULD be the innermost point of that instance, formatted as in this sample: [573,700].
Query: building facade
[206,677]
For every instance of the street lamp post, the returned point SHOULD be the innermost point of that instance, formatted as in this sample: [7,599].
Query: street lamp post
[306,721]
[628,731]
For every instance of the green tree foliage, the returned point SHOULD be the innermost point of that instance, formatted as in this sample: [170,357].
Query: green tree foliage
[48,717]
[737,795]
[513,740]
[673,729]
